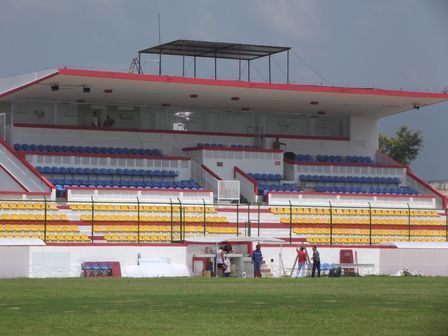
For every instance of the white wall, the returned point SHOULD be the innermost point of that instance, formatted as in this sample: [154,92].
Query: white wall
[428,261]
[65,261]
[14,261]
[363,141]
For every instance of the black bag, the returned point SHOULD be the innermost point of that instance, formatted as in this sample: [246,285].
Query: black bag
[335,272]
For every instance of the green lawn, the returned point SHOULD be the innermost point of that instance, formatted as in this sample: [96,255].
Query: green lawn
[196,306]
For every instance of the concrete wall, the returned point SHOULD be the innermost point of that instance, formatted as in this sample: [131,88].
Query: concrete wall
[14,262]
[65,261]
[429,261]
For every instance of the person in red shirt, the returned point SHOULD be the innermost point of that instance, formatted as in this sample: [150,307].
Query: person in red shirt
[301,256]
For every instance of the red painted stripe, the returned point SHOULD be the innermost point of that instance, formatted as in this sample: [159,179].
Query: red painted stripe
[84,128]
[231,149]
[254,182]
[307,137]
[269,86]
[118,156]
[211,172]
[240,135]
[13,177]
[28,84]
[427,185]
[374,165]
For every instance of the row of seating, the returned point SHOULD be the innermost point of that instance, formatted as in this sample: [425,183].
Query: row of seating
[160,228]
[350,179]
[365,241]
[266,177]
[145,228]
[31,216]
[375,232]
[150,218]
[217,146]
[401,191]
[354,212]
[106,171]
[330,158]
[87,149]
[163,237]
[287,187]
[5,205]
[63,184]
[72,238]
[143,208]
[38,227]
[359,221]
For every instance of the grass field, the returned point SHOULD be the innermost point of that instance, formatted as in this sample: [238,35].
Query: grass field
[196,306]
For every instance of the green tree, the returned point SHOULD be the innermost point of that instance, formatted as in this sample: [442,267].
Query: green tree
[404,147]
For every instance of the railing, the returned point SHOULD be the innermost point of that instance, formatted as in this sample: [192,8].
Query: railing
[23,172]
[179,164]
[293,170]
[146,195]
[318,199]
[224,190]
[249,187]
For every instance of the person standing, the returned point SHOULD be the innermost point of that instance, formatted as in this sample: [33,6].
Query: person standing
[301,259]
[220,261]
[257,259]
[316,262]
[228,266]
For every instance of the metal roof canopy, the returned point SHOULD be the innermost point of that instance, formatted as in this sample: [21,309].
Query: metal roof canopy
[215,50]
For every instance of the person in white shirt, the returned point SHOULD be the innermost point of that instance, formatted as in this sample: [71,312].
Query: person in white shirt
[228,269]
[220,261]
[95,120]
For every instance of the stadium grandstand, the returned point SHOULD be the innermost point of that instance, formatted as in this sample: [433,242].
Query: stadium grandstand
[101,165]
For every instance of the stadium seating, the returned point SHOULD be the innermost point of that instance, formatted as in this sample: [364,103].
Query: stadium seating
[87,150]
[285,187]
[352,226]
[404,191]
[106,172]
[266,177]
[332,158]
[63,184]
[351,179]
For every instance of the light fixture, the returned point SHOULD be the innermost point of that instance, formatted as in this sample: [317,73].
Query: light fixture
[54,87]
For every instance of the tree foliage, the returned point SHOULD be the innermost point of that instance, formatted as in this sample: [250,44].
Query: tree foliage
[404,146]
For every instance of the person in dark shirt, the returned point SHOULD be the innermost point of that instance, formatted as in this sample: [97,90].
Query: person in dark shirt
[257,259]
[316,262]
[277,144]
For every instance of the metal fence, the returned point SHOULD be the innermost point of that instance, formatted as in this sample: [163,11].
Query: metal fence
[252,220]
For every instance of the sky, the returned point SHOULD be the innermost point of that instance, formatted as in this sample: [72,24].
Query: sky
[389,44]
